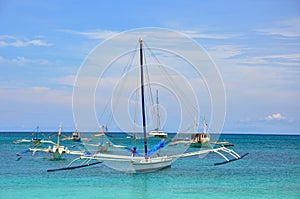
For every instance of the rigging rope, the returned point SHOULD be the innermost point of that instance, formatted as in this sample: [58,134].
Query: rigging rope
[126,69]
[174,85]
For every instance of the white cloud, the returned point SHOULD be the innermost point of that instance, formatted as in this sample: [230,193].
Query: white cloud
[279,59]
[40,89]
[36,105]
[20,61]
[7,37]
[3,44]
[20,43]
[205,35]
[6,40]
[287,28]
[224,51]
[43,95]
[296,57]
[275,116]
[93,34]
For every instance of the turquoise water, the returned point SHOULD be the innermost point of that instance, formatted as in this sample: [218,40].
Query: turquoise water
[271,170]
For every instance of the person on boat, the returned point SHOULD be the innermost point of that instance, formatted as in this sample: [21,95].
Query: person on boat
[133,151]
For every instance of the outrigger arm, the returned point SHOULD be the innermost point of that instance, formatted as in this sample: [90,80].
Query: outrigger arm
[218,151]
[86,163]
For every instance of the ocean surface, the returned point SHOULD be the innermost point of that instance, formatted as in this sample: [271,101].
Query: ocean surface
[271,170]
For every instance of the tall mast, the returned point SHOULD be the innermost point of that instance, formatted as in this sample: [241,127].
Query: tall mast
[143,98]
[204,126]
[37,133]
[158,116]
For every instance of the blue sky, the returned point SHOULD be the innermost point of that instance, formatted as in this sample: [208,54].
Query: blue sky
[255,44]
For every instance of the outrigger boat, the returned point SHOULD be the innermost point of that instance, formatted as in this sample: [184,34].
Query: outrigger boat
[200,139]
[36,139]
[151,160]
[203,139]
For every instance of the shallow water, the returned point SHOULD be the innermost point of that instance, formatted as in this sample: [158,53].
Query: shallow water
[271,170]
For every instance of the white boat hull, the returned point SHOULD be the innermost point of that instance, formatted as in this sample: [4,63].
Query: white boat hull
[130,164]
[150,165]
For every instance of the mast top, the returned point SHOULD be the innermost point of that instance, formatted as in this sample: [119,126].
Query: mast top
[141,40]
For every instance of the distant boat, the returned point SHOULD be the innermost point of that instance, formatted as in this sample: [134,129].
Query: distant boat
[157,132]
[75,136]
[200,139]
